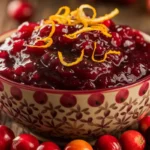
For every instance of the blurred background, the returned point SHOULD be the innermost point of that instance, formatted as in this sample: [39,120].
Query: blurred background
[135,13]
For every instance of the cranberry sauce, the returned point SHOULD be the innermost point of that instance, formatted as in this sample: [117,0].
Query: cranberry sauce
[42,68]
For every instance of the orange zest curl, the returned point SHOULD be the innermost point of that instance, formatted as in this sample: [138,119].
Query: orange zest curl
[78,60]
[102,28]
[76,17]
[66,11]
[105,56]
[47,40]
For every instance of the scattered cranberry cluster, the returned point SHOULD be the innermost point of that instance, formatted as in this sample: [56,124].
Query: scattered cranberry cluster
[129,140]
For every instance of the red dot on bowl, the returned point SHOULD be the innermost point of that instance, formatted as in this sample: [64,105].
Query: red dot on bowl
[122,95]
[68,100]
[1,86]
[96,100]
[144,88]
[16,93]
[40,97]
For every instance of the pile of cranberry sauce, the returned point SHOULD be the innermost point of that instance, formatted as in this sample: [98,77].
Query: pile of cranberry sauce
[40,67]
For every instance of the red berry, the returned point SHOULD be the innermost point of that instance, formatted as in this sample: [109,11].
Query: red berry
[108,142]
[144,124]
[148,5]
[20,10]
[132,139]
[48,146]
[108,23]
[78,145]
[25,142]
[6,137]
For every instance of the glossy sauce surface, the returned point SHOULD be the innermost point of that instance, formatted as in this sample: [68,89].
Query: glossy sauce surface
[42,67]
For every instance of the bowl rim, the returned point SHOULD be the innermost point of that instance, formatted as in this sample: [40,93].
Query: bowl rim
[57,91]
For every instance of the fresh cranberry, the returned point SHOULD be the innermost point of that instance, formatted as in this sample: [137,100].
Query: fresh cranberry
[148,5]
[68,100]
[6,137]
[132,138]
[96,100]
[109,23]
[144,124]
[107,142]
[25,142]
[20,10]
[48,146]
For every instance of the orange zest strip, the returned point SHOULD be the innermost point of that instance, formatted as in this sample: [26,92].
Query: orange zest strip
[76,17]
[106,17]
[60,19]
[66,11]
[78,60]
[81,13]
[105,56]
[47,40]
[100,28]
[53,29]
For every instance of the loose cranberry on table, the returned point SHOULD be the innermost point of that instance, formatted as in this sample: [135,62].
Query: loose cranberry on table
[132,139]
[48,146]
[6,137]
[107,142]
[148,5]
[25,142]
[144,124]
[20,10]
[78,145]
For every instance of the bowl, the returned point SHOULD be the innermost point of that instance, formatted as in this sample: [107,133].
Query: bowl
[65,114]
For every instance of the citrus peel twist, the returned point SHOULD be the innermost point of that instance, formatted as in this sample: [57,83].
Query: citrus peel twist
[67,17]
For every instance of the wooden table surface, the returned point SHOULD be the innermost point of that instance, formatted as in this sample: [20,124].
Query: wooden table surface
[134,16]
